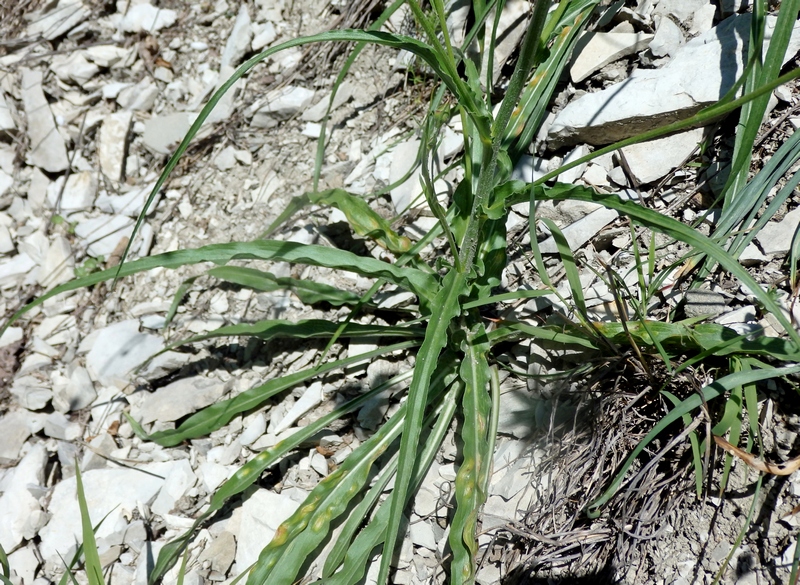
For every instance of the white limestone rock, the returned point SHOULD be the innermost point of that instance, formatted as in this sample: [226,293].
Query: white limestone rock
[7,123]
[595,50]
[19,508]
[262,514]
[239,39]
[179,398]
[78,195]
[281,104]
[112,144]
[59,21]
[103,234]
[146,17]
[119,349]
[47,149]
[776,236]
[74,68]
[107,491]
[583,230]
[162,134]
[652,160]
[653,98]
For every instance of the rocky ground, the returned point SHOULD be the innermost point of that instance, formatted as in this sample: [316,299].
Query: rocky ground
[95,95]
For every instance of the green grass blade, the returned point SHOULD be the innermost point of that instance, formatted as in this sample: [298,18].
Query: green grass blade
[94,570]
[221,413]
[568,261]
[411,279]
[709,392]
[306,329]
[6,571]
[251,471]
[509,296]
[472,478]
[364,220]
[308,291]
[447,304]
[375,533]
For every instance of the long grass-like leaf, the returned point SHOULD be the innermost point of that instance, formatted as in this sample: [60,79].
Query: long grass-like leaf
[475,465]
[306,329]
[380,526]
[447,304]
[250,472]
[414,280]
[221,413]
[94,570]
[308,291]
[709,392]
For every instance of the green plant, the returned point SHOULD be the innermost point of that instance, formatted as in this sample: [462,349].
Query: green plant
[456,374]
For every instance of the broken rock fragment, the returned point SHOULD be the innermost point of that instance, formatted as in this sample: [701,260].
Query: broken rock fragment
[47,149]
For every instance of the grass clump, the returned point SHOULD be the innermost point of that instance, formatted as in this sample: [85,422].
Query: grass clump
[456,371]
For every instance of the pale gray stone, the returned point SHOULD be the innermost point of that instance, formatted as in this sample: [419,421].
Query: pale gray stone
[19,508]
[281,104]
[529,168]
[24,563]
[653,98]
[47,149]
[426,502]
[106,55]
[310,398]
[59,264]
[317,112]
[668,38]
[11,335]
[177,482]
[652,160]
[107,491]
[130,203]
[58,426]
[59,21]
[112,144]
[16,430]
[220,553]
[239,40]
[76,394]
[580,232]
[254,429]
[118,350]
[31,392]
[98,452]
[140,97]
[162,134]
[6,182]
[776,236]
[422,534]
[179,398]
[263,35]
[103,234]
[146,17]
[262,514]
[7,123]
[74,68]
[595,50]
[226,159]
[572,175]
[79,193]
[703,303]
[752,256]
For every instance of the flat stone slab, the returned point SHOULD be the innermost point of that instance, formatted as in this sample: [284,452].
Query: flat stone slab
[178,399]
[47,149]
[108,491]
[654,98]
[652,160]
[596,50]
[118,350]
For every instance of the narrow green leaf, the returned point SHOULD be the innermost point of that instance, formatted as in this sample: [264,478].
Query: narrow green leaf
[568,261]
[472,478]
[94,570]
[411,279]
[221,413]
[249,473]
[669,226]
[4,562]
[447,305]
[364,220]
[308,291]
